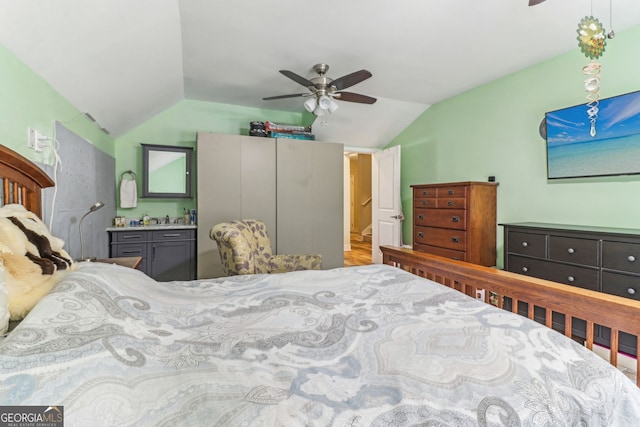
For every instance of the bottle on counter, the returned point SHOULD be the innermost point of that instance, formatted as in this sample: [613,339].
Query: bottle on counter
[186,216]
[146,220]
[193,217]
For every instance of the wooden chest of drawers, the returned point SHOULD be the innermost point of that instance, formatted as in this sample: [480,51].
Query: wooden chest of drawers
[597,258]
[456,220]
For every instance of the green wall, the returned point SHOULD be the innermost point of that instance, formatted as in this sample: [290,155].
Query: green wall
[28,101]
[493,130]
[178,126]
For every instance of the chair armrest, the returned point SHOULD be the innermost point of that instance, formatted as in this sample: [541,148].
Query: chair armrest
[284,263]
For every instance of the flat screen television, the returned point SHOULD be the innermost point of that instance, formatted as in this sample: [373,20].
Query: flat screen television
[614,149]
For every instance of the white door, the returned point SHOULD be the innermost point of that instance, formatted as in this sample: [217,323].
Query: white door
[387,210]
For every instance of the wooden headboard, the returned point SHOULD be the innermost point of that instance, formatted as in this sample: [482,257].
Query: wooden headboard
[22,181]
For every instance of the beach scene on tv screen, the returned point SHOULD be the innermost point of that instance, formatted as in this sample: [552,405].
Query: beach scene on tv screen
[615,148]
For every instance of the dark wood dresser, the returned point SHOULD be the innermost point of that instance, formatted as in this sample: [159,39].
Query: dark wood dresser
[456,220]
[597,258]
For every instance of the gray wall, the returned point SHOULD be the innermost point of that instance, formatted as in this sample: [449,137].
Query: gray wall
[86,175]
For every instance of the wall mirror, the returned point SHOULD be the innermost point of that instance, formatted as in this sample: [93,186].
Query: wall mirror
[166,171]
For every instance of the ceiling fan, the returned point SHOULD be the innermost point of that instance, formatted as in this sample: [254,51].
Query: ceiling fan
[324,90]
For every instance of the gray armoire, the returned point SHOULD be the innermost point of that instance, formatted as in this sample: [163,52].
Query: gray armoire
[294,186]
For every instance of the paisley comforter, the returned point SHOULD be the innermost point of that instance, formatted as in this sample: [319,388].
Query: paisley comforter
[357,346]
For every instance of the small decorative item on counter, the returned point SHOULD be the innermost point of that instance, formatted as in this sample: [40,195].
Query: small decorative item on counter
[193,217]
[186,216]
[119,221]
[146,220]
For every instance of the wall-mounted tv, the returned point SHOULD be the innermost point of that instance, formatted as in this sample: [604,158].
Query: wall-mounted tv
[614,150]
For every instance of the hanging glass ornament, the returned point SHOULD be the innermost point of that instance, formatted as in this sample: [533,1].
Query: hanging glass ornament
[592,40]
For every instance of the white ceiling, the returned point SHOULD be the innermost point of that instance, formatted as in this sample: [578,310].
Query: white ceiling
[124,61]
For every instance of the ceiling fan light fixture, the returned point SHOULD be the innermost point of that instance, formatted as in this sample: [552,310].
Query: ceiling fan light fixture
[333,105]
[324,102]
[310,104]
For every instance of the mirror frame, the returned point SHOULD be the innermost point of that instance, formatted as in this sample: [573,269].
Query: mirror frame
[146,149]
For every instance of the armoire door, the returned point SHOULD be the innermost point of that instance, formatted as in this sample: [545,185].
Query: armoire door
[310,199]
[236,180]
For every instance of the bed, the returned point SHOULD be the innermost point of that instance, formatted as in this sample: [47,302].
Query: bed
[373,345]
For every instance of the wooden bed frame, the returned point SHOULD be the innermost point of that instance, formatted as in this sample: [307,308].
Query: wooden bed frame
[23,181]
[617,313]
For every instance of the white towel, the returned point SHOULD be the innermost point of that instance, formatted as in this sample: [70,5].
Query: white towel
[128,193]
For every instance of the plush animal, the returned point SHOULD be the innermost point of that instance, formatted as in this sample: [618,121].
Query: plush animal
[34,260]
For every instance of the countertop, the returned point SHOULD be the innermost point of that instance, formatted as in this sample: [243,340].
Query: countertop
[153,227]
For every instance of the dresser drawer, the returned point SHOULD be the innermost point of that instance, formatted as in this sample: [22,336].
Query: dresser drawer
[442,237]
[130,236]
[582,277]
[420,193]
[623,285]
[452,203]
[452,192]
[173,234]
[443,252]
[431,202]
[577,251]
[621,256]
[527,244]
[443,218]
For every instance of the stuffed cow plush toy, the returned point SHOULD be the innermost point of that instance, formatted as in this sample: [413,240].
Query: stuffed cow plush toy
[34,260]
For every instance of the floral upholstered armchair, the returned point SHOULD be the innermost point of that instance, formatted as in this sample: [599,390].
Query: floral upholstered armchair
[245,248]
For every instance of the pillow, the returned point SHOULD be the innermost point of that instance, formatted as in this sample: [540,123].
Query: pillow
[34,260]
[4,300]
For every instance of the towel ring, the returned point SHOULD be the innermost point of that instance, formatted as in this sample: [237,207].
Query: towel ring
[130,172]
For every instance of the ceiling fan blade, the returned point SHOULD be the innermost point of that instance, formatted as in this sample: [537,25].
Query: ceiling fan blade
[296,78]
[350,79]
[354,97]
[293,95]
[535,2]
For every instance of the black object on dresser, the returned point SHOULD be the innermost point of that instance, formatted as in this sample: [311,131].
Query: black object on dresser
[167,253]
[456,220]
[597,258]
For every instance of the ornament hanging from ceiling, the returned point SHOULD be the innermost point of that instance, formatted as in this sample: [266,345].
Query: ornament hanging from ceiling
[592,41]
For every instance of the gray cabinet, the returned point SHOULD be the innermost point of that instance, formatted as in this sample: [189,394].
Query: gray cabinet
[597,258]
[294,186]
[167,254]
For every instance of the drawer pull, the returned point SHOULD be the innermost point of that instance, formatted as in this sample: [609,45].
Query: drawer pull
[631,258]
[425,193]
[172,235]
[455,258]
[571,279]
[450,192]
[571,250]
[131,251]
[631,291]
[132,236]
[425,202]
[525,269]
[455,219]
[455,240]
[420,216]
[525,244]
[420,234]
[450,203]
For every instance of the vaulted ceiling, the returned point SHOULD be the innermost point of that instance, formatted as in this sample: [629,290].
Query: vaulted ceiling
[124,61]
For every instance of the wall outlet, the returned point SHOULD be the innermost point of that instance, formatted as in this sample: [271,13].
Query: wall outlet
[480,294]
[34,139]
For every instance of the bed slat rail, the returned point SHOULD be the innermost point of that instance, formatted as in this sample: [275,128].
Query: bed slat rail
[611,311]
